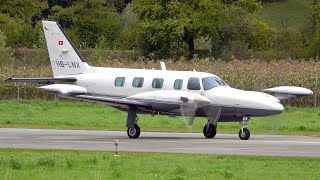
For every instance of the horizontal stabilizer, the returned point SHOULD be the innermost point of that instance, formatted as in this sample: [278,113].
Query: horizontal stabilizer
[288,92]
[42,80]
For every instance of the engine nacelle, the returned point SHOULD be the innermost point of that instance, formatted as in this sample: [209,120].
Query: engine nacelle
[64,89]
[177,97]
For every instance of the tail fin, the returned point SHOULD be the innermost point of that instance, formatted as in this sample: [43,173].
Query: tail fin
[64,58]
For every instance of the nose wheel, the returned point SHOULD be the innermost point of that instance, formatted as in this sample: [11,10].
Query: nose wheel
[244,133]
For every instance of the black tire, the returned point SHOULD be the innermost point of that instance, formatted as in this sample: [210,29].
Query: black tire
[245,134]
[134,133]
[212,131]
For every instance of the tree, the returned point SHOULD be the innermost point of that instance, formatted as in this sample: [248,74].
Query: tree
[24,10]
[167,26]
[88,21]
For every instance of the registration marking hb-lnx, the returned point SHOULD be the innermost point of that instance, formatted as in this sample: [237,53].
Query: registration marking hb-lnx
[68,64]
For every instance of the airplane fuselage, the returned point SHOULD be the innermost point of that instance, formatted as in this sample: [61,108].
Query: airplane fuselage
[150,85]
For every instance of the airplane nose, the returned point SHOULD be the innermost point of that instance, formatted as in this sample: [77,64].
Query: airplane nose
[277,108]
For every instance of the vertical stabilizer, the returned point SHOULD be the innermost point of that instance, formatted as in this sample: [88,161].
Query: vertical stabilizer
[64,58]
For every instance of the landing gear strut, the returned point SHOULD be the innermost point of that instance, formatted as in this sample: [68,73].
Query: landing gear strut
[133,130]
[244,133]
[210,130]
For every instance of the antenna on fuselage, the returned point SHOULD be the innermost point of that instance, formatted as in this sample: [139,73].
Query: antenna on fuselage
[163,66]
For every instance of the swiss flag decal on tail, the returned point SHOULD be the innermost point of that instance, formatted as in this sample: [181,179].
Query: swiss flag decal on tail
[60,43]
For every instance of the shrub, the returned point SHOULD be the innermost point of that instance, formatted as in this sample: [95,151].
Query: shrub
[2,40]
[15,163]
[46,161]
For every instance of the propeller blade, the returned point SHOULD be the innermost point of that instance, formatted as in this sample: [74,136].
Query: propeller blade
[213,113]
[189,107]
[191,120]
[187,110]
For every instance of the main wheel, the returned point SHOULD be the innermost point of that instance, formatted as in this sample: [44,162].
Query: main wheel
[209,132]
[134,133]
[244,134]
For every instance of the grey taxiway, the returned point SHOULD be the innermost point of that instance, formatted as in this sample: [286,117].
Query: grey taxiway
[267,145]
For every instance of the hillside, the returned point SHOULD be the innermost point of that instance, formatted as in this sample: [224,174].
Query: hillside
[285,14]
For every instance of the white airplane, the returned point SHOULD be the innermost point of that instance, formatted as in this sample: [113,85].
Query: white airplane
[173,93]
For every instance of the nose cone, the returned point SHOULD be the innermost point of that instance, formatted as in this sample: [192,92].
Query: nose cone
[276,108]
[259,104]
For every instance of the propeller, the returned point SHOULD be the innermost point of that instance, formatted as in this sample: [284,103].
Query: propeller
[213,113]
[188,107]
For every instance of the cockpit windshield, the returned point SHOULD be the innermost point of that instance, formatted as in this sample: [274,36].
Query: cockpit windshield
[212,82]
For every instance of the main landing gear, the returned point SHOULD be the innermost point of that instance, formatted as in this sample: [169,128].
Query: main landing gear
[133,130]
[244,133]
[210,130]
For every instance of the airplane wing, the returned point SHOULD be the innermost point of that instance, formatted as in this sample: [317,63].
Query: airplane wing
[288,92]
[42,80]
[113,100]
[77,92]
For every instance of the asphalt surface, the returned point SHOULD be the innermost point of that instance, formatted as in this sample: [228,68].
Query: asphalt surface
[195,143]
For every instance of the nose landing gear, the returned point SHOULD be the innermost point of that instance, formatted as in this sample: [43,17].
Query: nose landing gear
[244,133]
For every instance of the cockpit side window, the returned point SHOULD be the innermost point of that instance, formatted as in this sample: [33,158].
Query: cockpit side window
[193,83]
[211,82]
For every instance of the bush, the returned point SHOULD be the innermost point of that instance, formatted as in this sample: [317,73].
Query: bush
[46,161]
[2,40]
[15,163]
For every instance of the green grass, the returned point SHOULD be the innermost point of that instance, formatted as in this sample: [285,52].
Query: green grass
[84,115]
[53,164]
[292,11]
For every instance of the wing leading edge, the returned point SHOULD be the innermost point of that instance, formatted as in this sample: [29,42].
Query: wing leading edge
[77,92]
[114,100]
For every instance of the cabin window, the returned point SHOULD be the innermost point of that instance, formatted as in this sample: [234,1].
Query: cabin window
[137,82]
[193,84]
[119,81]
[178,84]
[157,83]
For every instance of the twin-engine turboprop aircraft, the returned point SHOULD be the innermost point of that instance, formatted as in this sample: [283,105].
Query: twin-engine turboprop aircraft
[173,93]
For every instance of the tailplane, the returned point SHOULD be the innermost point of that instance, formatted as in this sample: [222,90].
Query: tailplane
[64,58]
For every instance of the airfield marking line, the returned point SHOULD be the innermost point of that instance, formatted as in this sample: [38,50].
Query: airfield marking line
[245,149]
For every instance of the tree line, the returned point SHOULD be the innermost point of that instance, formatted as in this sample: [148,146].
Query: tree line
[162,28]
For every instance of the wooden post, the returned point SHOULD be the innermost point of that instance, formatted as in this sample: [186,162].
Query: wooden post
[18,87]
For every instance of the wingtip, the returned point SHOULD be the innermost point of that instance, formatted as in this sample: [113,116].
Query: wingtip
[7,80]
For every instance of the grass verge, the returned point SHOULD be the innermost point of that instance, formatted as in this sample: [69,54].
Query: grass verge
[50,164]
[84,115]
